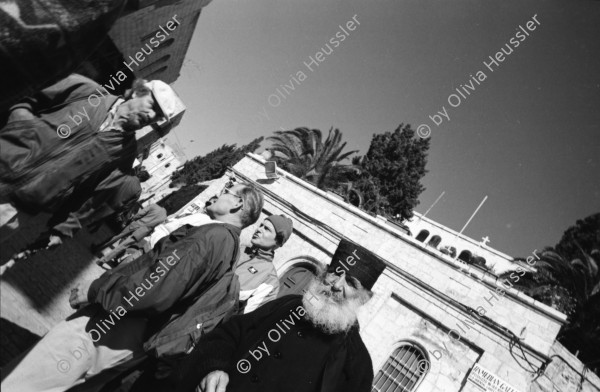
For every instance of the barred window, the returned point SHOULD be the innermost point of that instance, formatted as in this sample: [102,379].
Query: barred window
[403,371]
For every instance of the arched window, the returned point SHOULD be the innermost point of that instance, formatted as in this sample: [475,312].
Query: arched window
[434,241]
[465,256]
[159,155]
[403,371]
[296,279]
[423,234]
[478,260]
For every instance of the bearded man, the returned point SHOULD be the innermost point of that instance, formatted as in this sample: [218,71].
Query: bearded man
[295,343]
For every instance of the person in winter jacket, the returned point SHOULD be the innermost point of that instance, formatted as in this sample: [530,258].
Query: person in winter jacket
[259,283]
[60,143]
[159,305]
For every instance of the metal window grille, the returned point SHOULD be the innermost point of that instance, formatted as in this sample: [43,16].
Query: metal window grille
[403,371]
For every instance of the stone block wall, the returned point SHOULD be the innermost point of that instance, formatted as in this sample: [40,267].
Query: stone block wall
[129,31]
[451,313]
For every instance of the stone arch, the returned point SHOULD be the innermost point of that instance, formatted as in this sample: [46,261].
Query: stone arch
[465,256]
[295,274]
[479,261]
[434,241]
[422,236]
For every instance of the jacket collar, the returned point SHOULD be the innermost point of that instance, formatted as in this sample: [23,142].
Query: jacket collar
[253,252]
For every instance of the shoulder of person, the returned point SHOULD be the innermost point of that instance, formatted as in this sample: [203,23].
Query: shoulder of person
[290,300]
[77,79]
[357,346]
[214,230]
[160,210]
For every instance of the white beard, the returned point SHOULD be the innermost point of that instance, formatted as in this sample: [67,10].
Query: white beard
[328,311]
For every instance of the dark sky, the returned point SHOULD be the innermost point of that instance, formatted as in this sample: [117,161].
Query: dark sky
[528,136]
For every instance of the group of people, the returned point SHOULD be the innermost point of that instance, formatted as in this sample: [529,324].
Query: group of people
[192,308]
[69,151]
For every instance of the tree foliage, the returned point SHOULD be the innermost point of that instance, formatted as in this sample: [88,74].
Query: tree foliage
[212,165]
[304,153]
[391,171]
[567,278]
[583,236]
[176,200]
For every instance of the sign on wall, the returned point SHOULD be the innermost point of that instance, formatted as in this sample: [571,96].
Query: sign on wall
[488,381]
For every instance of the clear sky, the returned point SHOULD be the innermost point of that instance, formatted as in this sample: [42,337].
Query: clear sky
[528,136]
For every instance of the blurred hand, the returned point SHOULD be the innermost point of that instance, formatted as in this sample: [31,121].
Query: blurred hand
[20,114]
[79,295]
[214,382]
[54,241]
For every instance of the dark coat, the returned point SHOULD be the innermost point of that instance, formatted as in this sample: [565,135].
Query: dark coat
[41,171]
[300,357]
[144,222]
[184,287]
[115,194]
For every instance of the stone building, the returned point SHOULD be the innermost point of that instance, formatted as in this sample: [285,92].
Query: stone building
[149,40]
[439,237]
[162,161]
[435,324]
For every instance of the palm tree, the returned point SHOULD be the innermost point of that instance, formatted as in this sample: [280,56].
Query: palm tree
[567,278]
[560,283]
[303,153]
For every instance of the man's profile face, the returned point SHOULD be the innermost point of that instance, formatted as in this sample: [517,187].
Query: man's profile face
[139,111]
[264,236]
[228,201]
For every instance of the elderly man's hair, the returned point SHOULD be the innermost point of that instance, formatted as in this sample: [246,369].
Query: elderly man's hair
[253,204]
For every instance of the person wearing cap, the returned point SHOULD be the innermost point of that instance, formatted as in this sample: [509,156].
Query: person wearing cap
[259,283]
[60,143]
[301,343]
[157,306]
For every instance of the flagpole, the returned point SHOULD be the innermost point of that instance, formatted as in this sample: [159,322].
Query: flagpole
[466,224]
[434,203]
